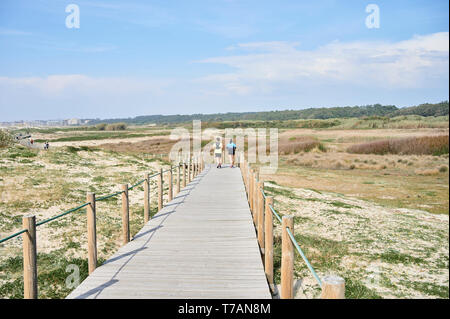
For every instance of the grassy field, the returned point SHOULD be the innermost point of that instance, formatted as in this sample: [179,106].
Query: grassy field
[47,183]
[379,220]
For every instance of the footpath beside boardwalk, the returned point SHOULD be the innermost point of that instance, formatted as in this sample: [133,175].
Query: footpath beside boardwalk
[202,244]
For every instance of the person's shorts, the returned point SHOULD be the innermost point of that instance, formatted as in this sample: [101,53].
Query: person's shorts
[231,152]
[218,155]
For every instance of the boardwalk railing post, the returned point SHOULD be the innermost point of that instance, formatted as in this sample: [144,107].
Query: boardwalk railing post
[333,287]
[255,197]
[146,198]
[160,189]
[189,170]
[287,259]
[203,162]
[125,215]
[170,184]
[268,239]
[194,167]
[29,257]
[250,192]
[92,232]
[261,215]
[184,174]
[178,179]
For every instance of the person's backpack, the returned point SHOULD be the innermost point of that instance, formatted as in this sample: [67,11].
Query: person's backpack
[217,145]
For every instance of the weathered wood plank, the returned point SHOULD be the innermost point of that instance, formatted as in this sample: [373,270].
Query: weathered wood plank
[202,244]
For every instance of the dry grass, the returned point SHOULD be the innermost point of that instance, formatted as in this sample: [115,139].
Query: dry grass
[428,172]
[153,146]
[430,145]
[295,145]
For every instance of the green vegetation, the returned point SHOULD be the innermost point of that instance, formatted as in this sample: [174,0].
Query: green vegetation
[100,136]
[427,109]
[52,274]
[439,109]
[395,257]
[5,139]
[356,290]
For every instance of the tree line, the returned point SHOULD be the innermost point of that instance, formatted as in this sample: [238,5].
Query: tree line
[323,113]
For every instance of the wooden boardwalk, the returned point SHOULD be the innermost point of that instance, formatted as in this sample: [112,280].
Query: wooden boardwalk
[200,245]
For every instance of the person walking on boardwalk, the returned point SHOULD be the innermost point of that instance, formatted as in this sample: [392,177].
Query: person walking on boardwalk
[218,152]
[231,147]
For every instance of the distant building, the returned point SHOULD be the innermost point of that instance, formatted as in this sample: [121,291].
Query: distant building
[73,122]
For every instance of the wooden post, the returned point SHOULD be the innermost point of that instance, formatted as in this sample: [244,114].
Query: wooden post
[189,171]
[92,232]
[146,198]
[184,175]
[29,257]
[178,178]
[194,168]
[287,259]
[255,196]
[250,192]
[160,189]
[125,215]
[268,239]
[245,169]
[333,287]
[248,183]
[261,215]
[170,184]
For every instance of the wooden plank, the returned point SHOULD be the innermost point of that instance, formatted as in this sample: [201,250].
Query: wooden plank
[189,249]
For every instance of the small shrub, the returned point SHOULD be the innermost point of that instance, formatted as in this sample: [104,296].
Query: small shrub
[322,147]
[301,144]
[443,169]
[100,127]
[5,139]
[72,149]
[116,127]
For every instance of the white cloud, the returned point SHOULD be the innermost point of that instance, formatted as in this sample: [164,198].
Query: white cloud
[273,74]
[57,85]
[415,63]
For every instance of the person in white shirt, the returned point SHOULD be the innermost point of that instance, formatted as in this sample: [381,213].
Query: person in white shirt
[218,152]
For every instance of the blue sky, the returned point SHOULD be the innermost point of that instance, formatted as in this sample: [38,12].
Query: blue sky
[133,58]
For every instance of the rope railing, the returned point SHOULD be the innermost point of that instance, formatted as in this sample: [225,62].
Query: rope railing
[296,245]
[275,213]
[137,184]
[62,214]
[262,210]
[29,221]
[303,256]
[81,206]
[13,235]
[108,196]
